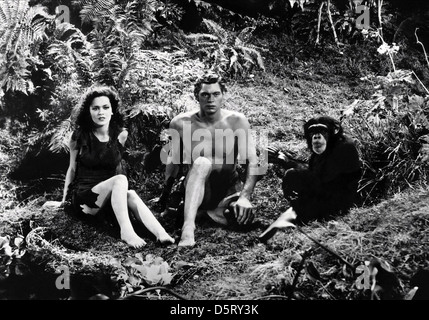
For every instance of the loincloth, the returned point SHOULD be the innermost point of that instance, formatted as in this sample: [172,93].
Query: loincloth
[220,192]
[218,187]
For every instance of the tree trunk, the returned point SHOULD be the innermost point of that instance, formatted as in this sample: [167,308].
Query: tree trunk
[328,8]
[319,21]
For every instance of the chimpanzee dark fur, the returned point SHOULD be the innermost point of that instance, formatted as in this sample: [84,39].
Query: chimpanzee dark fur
[329,186]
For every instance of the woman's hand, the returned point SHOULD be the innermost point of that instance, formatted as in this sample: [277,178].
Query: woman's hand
[52,205]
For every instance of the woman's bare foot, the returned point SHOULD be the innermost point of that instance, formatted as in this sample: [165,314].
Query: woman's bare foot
[165,238]
[132,239]
[188,238]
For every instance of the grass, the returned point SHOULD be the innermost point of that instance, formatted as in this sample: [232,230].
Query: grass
[227,264]
[233,265]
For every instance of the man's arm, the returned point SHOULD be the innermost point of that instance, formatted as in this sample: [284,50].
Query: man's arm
[246,152]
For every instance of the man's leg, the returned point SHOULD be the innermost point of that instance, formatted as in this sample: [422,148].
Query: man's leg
[194,196]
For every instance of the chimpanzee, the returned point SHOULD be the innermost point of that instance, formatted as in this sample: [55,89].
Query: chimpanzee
[325,187]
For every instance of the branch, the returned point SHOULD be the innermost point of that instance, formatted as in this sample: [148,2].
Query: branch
[327,249]
[298,271]
[272,296]
[379,5]
[319,22]
[331,21]
[426,89]
[139,292]
[424,50]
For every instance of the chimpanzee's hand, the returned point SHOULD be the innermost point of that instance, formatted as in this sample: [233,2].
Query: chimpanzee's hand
[272,151]
[276,156]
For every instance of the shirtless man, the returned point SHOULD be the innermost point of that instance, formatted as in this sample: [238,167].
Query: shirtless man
[211,142]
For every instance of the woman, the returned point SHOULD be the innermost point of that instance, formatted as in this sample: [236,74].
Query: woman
[94,178]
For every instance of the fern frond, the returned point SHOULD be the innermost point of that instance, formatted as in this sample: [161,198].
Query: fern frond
[71,52]
[253,56]
[95,10]
[107,57]
[134,21]
[246,34]
[148,110]
[4,12]
[61,136]
[216,30]
[16,76]
[22,26]
[201,38]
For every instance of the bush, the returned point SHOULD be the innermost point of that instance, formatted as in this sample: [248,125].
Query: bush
[390,130]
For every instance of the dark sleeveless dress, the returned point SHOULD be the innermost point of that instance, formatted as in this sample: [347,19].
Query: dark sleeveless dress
[96,161]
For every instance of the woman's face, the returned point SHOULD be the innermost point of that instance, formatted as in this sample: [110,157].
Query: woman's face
[101,111]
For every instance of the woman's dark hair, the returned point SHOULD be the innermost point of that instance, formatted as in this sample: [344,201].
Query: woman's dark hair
[209,78]
[84,121]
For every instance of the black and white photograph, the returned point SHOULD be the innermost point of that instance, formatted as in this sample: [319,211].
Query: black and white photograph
[215,158]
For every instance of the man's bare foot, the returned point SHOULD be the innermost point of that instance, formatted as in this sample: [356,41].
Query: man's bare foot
[284,221]
[188,238]
[132,239]
[165,238]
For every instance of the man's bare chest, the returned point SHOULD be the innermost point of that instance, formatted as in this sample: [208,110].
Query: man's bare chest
[215,141]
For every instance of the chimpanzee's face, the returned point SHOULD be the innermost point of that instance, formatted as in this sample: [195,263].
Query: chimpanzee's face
[319,137]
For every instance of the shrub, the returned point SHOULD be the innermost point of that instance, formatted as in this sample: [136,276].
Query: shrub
[390,130]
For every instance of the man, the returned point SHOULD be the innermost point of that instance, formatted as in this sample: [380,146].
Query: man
[211,142]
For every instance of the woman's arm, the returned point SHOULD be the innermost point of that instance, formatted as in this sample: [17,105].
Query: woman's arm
[122,138]
[71,171]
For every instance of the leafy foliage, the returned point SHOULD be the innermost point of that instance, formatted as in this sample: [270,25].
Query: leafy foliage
[22,30]
[111,53]
[9,155]
[389,128]
[92,11]
[153,93]
[140,271]
[70,53]
[224,51]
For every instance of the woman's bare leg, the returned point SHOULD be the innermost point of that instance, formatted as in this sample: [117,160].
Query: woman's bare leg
[145,216]
[117,188]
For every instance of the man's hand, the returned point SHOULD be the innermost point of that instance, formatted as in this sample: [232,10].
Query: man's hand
[243,210]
